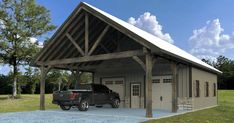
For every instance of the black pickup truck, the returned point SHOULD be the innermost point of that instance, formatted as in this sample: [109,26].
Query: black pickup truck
[86,95]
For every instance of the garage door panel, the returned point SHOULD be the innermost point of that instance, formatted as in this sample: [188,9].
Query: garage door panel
[116,85]
[162,92]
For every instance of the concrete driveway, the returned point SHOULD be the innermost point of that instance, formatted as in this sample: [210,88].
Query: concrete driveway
[93,115]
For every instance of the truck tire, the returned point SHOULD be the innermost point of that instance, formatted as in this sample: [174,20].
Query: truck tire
[84,105]
[63,107]
[115,103]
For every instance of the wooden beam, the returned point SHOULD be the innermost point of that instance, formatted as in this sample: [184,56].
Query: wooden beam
[79,38]
[174,87]
[75,44]
[124,54]
[56,47]
[86,33]
[59,31]
[44,71]
[98,40]
[148,80]
[92,23]
[117,26]
[139,61]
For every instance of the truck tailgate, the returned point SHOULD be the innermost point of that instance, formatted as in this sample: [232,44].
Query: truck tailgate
[62,95]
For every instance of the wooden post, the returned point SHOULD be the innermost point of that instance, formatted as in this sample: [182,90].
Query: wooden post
[42,87]
[148,80]
[174,87]
[77,77]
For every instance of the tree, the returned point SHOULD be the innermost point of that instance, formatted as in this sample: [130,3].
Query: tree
[31,77]
[208,61]
[20,21]
[226,65]
[58,78]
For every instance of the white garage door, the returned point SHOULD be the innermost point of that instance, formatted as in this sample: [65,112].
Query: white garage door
[162,92]
[116,85]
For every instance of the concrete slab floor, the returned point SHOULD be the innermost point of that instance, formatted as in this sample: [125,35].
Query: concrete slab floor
[93,115]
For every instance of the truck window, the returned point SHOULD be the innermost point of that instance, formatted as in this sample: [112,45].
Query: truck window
[104,89]
[100,89]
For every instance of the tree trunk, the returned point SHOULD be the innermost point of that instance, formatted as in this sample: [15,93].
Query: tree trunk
[14,81]
[59,86]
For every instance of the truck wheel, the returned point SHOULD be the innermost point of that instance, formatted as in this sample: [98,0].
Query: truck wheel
[115,103]
[84,105]
[63,107]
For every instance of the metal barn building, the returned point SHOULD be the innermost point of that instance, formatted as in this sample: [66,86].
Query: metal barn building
[146,71]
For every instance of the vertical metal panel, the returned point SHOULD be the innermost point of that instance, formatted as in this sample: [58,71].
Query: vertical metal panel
[203,76]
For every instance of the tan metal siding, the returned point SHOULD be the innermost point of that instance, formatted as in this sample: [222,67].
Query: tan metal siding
[203,76]
[130,76]
[183,81]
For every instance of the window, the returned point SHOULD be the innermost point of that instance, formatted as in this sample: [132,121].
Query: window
[214,87]
[135,90]
[207,89]
[167,80]
[156,81]
[119,82]
[109,82]
[197,92]
[100,89]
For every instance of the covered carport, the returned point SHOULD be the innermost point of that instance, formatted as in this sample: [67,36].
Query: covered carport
[90,36]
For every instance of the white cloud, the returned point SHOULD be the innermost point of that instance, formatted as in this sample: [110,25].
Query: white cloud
[40,44]
[33,40]
[209,41]
[149,23]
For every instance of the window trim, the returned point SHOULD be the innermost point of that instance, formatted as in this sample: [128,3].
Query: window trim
[207,89]
[197,88]
[214,90]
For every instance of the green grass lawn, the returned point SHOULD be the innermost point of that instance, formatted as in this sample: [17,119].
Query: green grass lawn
[27,102]
[224,113]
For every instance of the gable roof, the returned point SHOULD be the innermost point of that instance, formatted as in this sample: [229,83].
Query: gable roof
[164,46]
[144,38]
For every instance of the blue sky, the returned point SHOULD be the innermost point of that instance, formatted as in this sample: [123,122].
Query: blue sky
[178,18]
[205,28]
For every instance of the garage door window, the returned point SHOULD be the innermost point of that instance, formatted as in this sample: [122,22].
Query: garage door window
[156,81]
[118,82]
[167,80]
[109,82]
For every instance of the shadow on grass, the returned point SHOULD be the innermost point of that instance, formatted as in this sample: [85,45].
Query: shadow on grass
[4,98]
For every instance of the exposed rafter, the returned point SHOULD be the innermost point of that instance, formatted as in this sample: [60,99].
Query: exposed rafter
[86,33]
[60,42]
[79,37]
[98,40]
[60,31]
[75,44]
